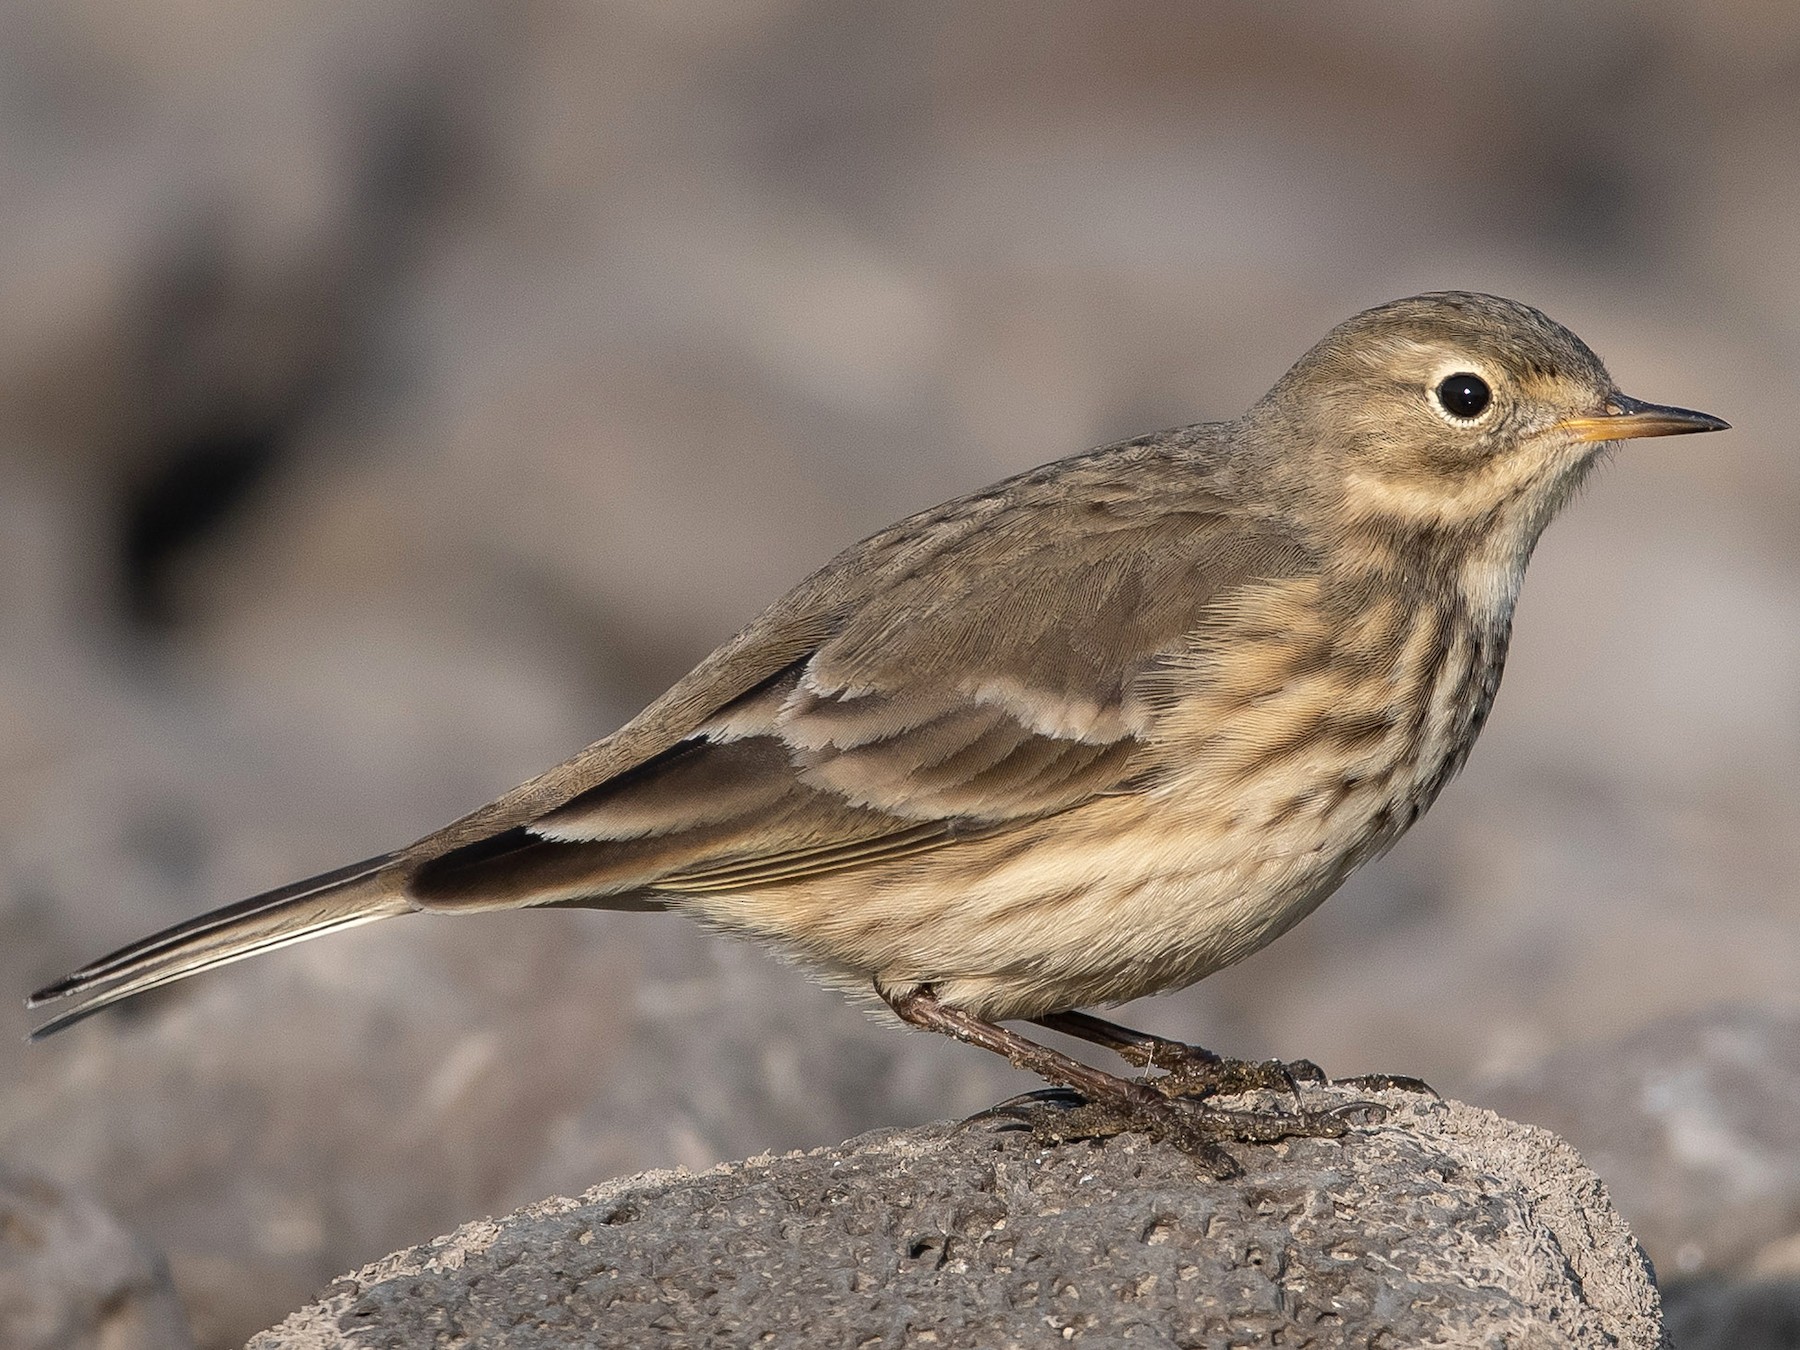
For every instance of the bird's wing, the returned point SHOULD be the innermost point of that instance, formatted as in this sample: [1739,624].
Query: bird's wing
[974,666]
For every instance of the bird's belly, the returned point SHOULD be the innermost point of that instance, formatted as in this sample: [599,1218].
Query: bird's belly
[1140,907]
[1109,902]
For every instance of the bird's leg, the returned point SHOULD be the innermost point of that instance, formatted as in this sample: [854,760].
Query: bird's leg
[1187,1069]
[1111,1105]
[921,1008]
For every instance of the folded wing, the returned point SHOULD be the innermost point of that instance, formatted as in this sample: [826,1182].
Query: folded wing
[986,681]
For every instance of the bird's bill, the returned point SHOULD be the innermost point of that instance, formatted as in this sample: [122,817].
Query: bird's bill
[1628,418]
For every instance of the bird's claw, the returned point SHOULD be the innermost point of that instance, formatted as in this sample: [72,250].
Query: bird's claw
[1015,1113]
[1389,1082]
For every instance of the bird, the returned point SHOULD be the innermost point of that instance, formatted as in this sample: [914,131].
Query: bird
[1094,732]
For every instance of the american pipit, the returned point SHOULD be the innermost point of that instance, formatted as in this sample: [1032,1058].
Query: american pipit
[1094,732]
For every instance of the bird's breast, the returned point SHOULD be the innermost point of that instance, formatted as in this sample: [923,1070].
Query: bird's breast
[1314,729]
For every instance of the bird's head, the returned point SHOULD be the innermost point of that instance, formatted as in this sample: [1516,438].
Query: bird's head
[1452,415]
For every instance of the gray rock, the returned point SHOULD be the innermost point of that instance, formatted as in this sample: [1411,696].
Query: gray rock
[72,1277]
[1444,1224]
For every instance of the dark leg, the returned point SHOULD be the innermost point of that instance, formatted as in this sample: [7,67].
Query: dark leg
[1112,1105]
[1188,1069]
[922,1009]
[1139,1048]
[1191,1068]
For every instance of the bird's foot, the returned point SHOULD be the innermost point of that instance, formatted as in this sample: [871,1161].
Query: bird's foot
[1191,1124]
[1210,1075]
[1183,1070]
[1190,1071]
[1176,1106]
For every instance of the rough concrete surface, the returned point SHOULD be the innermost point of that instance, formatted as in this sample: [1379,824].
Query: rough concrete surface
[1442,1225]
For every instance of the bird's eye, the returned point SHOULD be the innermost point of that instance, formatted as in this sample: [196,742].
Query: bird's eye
[1464,396]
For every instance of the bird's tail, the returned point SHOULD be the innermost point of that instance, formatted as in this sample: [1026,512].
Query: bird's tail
[360,893]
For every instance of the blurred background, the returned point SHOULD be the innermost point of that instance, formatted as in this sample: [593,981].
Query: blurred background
[394,398]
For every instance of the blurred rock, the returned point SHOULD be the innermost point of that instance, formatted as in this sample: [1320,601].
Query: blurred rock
[1446,1225]
[1694,1121]
[1715,1313]
[72,1277]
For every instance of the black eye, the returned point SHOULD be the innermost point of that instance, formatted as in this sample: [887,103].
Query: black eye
[1464,395]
